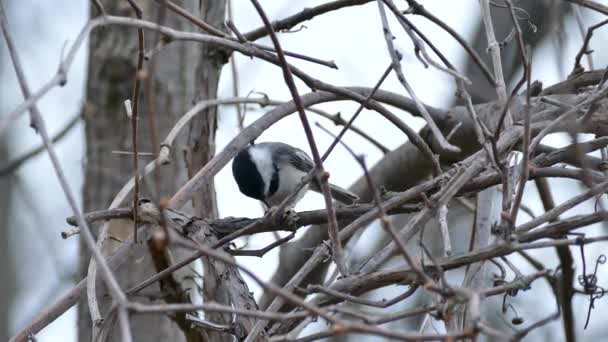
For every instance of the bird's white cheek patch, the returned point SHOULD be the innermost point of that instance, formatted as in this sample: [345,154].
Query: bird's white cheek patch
[263,160]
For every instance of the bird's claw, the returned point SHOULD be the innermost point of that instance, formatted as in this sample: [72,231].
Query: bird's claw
[289,217]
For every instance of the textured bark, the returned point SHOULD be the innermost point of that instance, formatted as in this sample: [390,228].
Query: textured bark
[8,286]
[200,149]
[174,85]
[201,135]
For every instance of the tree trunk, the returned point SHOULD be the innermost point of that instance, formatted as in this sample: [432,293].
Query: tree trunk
[176,80]
[201,148]
[8,286]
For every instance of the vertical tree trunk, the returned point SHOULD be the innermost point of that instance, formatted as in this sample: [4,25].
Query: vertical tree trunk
[8,284]
[183,73]
[201,148]
[7,267]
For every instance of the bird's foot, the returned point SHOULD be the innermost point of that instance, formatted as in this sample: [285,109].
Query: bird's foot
[289,217]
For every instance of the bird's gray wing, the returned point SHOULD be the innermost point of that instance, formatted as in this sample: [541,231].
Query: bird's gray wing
[294,156]
[300,160]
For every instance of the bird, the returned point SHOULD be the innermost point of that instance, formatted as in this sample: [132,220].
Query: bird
[271,171]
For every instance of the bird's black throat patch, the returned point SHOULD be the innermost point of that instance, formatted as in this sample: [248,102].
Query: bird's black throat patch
[274,182]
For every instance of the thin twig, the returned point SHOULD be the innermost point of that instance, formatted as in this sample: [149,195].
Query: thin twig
[240,114]
[216,32]
[349,124]
[388,37]
[418,9]
[525,167]
[321,175]
[585,47]
[594,5]
[385,221]
[39,123]
[420,47]
[139,75]
[15,164]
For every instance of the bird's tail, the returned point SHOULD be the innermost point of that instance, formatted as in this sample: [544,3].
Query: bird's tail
[339,194]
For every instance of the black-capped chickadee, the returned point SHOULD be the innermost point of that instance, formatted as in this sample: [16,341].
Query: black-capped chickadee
[271,171]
